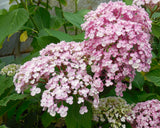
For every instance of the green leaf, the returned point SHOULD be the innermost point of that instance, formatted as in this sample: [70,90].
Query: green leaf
[128,2]
[146,96]
[58,12]
[154,76]
[6,82]
[45,40]
[3,11]
[64,2]
[138,81]
[29,57]
[2,64]
[10,105]
[4,101]
[153,55]
[130,97]
[74,18]
[79,37]
[3,126]
[156,15]
[12,22]
[156,30]
[83,12]
[25,105]
[47,119]
[13,7]
[75,120]
[42,18]
[59,35]
[56,22]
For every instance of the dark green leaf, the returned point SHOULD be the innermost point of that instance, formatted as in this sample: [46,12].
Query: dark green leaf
[25,105]
[156,30]
[131,97]
[75,120]
[29,57]
[42,18]
[79,37]
[32,9]
[146,96]
[154,76]
[128,125]
[138,81]
[45,40]
[11,112]
[10,105]
[5,100]
[56,22]
[58,12]
[74,18]
[47,119]
[12,22]
[35,45]
[59,35]
[6,82]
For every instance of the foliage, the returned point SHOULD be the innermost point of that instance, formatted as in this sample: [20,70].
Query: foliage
[33,20]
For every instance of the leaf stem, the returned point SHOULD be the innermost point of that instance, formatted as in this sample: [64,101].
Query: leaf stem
[26,7]
[76,9]
[47,4]
[17,2]
[38,3]
[153,11]
[34,23]
[60,5]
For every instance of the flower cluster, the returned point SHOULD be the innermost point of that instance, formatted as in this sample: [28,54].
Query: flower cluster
[113,109]
[146,114]
[118,43]
[62,68]
[148,3]
[10,70]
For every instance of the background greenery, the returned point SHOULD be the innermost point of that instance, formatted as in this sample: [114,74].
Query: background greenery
[32,19]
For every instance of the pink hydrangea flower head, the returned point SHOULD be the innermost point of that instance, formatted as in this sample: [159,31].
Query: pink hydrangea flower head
[118,43]
[61,68]
[146,114]
[148,3]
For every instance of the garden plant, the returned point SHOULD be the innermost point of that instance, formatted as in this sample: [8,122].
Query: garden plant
[88,68]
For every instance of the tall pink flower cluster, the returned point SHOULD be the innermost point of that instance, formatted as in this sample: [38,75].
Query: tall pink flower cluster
[62,69]
[147,114]
[118,43]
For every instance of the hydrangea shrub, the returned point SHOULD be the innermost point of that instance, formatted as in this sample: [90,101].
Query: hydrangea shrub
[116,45]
